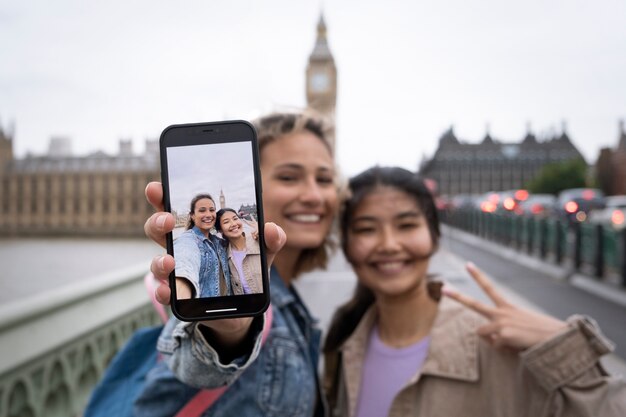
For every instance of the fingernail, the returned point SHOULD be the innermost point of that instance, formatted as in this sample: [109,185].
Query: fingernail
[162,263]
[160,221]
[470,265]
[447,290]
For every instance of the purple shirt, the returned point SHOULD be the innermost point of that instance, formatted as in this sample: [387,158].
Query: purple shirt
[238,256]
[385,372]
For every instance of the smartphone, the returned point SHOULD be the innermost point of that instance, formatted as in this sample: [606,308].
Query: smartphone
[212,186]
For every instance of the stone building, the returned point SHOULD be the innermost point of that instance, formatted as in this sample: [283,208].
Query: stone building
[103,195]
[611,166]
[60,194]
[459,167]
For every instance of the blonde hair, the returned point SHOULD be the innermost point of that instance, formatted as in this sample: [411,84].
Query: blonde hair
[276,125]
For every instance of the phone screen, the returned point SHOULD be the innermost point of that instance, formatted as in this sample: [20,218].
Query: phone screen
[212,187]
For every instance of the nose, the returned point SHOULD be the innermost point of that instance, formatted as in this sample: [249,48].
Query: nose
[311,192]
[388,240]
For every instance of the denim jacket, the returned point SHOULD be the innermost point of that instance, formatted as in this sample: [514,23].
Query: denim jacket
[197,260]
[278,378]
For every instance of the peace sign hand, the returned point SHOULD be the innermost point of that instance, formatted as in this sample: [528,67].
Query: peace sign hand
[509,326]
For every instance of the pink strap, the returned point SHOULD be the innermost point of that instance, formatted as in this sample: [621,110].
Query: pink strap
[206,397]
[149,281]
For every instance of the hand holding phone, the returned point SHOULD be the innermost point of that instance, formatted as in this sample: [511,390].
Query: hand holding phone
[228,333]
[210,175]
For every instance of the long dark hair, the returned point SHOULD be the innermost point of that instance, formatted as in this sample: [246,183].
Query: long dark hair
[192,207]
[347,317]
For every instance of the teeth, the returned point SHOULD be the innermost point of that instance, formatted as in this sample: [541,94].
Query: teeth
[306,218]
[390,266]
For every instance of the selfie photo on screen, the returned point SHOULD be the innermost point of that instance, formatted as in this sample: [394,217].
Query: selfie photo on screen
[213,201]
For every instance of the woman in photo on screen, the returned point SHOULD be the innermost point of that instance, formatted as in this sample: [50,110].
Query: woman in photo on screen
[244,255]
[201,259]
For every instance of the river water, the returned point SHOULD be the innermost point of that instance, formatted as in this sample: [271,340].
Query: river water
[34,265]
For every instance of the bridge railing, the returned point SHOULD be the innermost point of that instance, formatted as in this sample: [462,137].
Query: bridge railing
[55,346]
[592,249]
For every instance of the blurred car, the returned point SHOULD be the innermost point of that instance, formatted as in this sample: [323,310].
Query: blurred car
[488,202]
[538,205]
[511,201]
[463,201]
[575,204]
[503,201]
[613,214]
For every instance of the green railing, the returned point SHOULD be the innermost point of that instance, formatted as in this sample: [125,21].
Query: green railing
[589,248]
[55,347]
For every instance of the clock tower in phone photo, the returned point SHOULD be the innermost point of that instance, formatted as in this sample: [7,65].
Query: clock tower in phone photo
[321,75]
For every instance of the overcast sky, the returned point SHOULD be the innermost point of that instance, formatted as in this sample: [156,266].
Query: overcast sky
[211,169]
[100,71]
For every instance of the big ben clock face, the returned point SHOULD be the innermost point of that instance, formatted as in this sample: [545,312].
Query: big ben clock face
[319,82]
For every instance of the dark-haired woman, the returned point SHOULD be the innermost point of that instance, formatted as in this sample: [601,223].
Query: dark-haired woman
[243,252]
[399,349]
[201,262]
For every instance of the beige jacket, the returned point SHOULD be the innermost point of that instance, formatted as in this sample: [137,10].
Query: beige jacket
[464,376]
[251,268]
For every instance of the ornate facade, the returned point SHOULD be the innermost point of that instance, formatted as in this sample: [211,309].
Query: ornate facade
[103,195]
[466,168]
[59,194]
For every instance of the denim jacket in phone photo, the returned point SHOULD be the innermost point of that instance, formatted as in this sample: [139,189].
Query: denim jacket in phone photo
[202,261]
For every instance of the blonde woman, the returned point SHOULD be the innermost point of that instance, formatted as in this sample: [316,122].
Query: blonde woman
[280,378]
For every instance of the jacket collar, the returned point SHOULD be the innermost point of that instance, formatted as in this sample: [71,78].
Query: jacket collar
[281,295]
[252,247]
[453,350]
[198,232]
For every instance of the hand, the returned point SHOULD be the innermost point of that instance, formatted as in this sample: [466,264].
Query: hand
[509,326]
[254,226]
[229,331]
[161,222]
[226,332]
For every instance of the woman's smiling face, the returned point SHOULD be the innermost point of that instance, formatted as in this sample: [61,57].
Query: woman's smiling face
[231,225]
[389,242]
[203,215]
[299,191]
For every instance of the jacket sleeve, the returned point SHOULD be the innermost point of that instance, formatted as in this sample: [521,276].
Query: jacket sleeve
[187,255]
[567,367]
[197,363]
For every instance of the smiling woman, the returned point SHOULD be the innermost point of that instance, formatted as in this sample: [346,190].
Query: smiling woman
[244,255]
[201,266]
[398,348]
[279,378]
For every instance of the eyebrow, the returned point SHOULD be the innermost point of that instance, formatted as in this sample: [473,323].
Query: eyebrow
[400,216]
[301,167]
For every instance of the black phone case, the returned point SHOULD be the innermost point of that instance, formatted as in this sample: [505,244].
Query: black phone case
[210,133]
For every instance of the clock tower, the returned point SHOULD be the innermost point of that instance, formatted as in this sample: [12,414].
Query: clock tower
[222,199]
[321,75]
